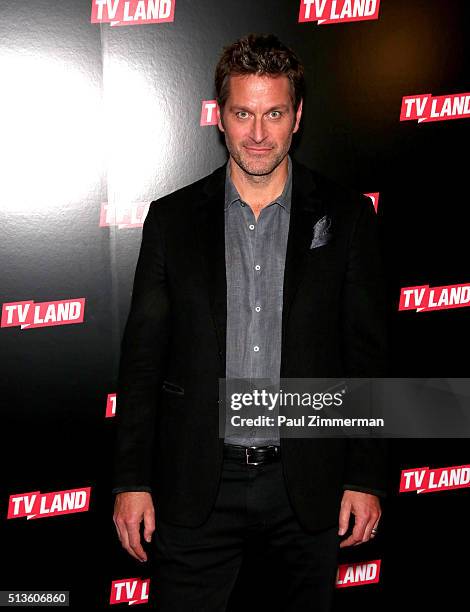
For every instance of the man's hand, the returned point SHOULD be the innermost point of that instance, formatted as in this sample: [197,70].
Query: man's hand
[367,512]
[129,509]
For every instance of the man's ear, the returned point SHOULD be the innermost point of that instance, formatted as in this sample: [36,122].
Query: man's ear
[298,115]
[219,119]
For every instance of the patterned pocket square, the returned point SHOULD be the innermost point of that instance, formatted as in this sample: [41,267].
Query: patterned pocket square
[321,232]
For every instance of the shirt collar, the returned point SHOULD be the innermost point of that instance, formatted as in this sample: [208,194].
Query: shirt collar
[284,200]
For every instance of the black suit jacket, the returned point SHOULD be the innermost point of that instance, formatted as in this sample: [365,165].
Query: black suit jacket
[173,347]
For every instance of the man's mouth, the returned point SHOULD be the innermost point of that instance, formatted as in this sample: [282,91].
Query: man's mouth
[258,150]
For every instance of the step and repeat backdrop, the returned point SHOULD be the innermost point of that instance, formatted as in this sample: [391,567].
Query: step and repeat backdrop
[107,105]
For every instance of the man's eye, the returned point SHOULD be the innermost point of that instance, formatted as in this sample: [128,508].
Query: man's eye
[241,113]
[278,114]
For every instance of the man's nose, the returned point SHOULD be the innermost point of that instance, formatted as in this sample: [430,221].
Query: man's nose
[258,130]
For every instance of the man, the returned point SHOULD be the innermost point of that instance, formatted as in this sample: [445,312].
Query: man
[230,284]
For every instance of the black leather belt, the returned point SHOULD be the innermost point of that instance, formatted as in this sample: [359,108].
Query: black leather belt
[252,455]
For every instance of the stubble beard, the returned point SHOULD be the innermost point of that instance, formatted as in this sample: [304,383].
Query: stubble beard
[262,167]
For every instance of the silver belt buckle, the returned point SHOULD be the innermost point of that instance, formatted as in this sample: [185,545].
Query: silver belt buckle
[248,458]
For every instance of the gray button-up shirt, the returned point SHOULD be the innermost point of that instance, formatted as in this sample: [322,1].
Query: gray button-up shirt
[255,254]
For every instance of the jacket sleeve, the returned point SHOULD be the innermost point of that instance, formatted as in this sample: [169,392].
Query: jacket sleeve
[142,361]
[132,489]
[365,343]
[378,492]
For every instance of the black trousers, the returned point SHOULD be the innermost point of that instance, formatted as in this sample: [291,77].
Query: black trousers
[196,568]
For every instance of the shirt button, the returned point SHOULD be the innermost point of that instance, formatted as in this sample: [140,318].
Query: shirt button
[257,267]
[256,349]
[252,227]
[258,308]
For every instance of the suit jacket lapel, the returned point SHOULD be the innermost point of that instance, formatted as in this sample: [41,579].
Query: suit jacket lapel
[306,209]
[209,219]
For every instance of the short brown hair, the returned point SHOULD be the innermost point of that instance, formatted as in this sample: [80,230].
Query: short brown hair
[262,54]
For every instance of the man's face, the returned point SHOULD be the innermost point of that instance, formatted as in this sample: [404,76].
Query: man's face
[258,121]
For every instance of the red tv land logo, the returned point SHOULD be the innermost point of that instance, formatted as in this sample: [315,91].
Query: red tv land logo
[423,298]
[29,314]
[130,591]
[130,215]
[132,12]
[110,405]
[355,574]
[36,505]
[338,11]
[424,480]
[426,107]
[375,199]
[208,112]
